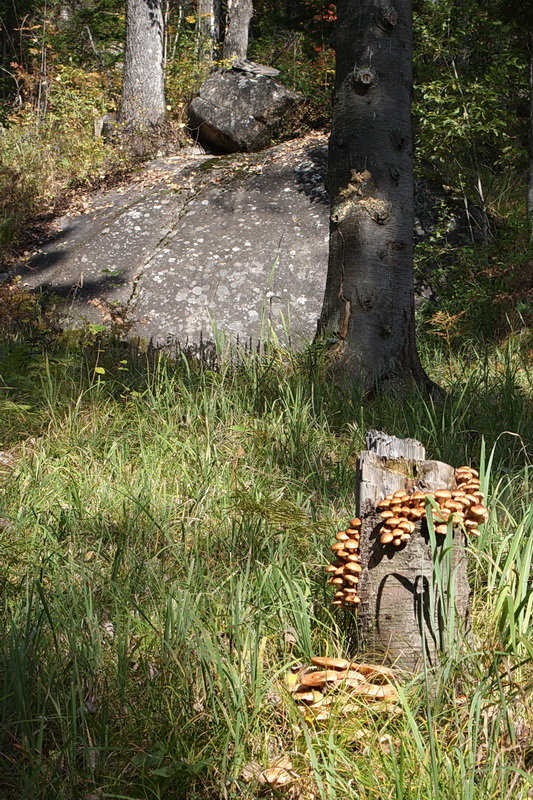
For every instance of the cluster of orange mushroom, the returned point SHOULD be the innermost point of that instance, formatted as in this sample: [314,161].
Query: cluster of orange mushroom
[401,511]
[340,683]
[346,570]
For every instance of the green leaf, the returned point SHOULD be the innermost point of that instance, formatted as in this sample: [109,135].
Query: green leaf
[99,370]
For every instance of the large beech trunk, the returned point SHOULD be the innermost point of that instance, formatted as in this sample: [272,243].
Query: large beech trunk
[369,298]
[143,94]
[404,613]
[238,24]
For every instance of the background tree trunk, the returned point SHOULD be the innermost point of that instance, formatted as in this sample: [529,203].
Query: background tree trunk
[369,297]
[209,25]
[143,93]
[530,134]
[237,27]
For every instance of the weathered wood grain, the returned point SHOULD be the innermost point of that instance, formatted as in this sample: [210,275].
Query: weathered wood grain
[401,614]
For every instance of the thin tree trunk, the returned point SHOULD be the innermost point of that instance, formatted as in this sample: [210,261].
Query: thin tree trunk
[236,38]
[530,183]
[143,93]
[209,26]
[369,298]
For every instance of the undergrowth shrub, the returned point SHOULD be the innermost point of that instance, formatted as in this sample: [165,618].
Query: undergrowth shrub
[480,292]
[47,152]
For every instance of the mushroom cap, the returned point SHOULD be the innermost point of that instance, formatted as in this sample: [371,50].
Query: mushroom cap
[387,514]
[418,495]
[351,546]
[441,529]
[453,505]
[337,581]
[478,512]
[351,578]
[320,678]
[397,541]
[385,503]
[375,670]
[393,521]
[355,523]
[352,599]
[338,546]
[330,663]
[406,526]
[353,566]
[400,493]
[303,695]
[470,470]
[353,558]
[353,533]
[443,494]
[472,499]
[385,538]
[342,536]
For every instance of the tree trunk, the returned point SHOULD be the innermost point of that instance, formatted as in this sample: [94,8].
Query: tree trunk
[209,25]
[143,93]
[369,298]
[236,38]
[530,133]
[404,612]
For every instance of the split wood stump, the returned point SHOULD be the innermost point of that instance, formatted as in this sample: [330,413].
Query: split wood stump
[402,612]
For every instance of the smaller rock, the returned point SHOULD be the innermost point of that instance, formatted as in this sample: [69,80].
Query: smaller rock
[105,125]
[244,65]
[238,111]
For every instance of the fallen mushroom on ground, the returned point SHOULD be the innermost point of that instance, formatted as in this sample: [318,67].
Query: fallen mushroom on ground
[338,683]
[400,512]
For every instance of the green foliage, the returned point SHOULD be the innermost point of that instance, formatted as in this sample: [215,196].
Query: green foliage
[50,150]
[301,50]
[470,104]
[483,293]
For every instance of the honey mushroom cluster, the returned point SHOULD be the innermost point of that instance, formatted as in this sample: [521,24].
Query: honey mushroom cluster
[346,570]
[401,511]
[338,681]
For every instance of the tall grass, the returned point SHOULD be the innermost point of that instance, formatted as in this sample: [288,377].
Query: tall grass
[163,529]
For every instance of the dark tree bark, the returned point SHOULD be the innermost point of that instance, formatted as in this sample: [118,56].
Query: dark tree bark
[237,27]
[143,93]
[209,25]
[369,298]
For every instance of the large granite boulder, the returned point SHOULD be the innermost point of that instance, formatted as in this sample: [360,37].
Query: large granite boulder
[196,248]
[243,109]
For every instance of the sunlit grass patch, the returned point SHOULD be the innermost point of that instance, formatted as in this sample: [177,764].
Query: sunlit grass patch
[164,526]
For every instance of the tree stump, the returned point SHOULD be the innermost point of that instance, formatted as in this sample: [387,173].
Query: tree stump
[402,611]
